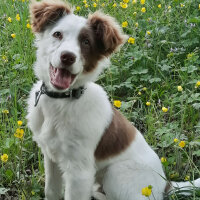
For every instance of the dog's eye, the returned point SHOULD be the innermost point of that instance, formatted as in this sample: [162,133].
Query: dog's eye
[86,42]
[58,35]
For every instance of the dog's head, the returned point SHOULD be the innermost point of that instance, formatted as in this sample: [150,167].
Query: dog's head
[71,49]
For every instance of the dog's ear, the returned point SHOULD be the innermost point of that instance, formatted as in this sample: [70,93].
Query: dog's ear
[46,12]
[107,32]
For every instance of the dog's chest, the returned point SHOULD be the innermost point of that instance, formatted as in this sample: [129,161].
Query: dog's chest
[69,129]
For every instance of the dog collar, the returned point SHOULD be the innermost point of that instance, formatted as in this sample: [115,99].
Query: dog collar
[73,93]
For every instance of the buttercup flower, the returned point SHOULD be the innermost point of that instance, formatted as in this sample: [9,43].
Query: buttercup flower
[94,5]
[19,123]
[10,19]
[124,24]
[134,1]
[176,140]
[163,160]
[131,40]
[180,89]
[86,5]
[159,5]
[19,133]
[148,103]
[117,103]
[5,111]
[114,5]
[197,84]
[182,5]
[142,2]
[136,24]
[164,109]
[148,32]
[84,1]
[4,157]
[182,144]
[103,4]
[139,93]
[143,9]
[146,191]
[18,17]
[13,35]
[187,178]
[169,7]
[28,25]
[126,1]
[78,8]
[123,5]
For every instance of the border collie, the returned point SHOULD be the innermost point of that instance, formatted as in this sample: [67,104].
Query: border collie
[83,138]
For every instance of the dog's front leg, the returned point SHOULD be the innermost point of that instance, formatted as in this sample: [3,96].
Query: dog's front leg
[53,180]
[79,184]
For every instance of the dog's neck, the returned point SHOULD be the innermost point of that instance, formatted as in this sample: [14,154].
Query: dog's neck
[71,93]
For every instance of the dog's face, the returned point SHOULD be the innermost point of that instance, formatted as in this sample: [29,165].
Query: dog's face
[71,49]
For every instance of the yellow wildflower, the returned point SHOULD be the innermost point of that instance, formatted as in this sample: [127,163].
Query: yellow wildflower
[180,89]
[134,1]
[139,93]
[135,13]
[5,111]
[199,6]
[86,5]
[197,84]
[169,7]
[144,88]
[4,157]
[136,24]
[123,5]
[28,25]
[84,1]
[94,5]
[103,4]
[143,9]
[126,1]
[182,5]
[117,103]
[78,8]
[19,123]
[164,109]
[163,160]
[146,191]
[176,140]
[114,5]
[124,24]
[10,19]
[148,32]
[18,17]
[131,40]
[13,35]
[19,133]
[148,103]
[4,58]
[187,178]
[182,144]
[159,5]
[142,2]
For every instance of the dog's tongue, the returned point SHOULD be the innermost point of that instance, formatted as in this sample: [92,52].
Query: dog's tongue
[60,78]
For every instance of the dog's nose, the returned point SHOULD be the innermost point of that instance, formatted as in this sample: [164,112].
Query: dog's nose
[67,58]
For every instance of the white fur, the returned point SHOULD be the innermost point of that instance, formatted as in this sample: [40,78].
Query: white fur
[68,131]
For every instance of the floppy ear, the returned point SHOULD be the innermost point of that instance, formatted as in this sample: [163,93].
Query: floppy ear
[107,32]
[46,12]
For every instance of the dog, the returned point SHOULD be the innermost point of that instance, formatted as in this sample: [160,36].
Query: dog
[83,138]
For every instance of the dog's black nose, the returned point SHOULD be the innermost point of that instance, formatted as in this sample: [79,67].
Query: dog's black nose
[67,58]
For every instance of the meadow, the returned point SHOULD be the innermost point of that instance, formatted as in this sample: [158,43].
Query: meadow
[154,80]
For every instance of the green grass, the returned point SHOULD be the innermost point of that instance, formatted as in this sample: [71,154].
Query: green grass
[161,61]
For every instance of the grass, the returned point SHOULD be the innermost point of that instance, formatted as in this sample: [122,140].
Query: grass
[165,55]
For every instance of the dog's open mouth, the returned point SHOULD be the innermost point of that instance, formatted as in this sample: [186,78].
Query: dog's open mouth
[61,78]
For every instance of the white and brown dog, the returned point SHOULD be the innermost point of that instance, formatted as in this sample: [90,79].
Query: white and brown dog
[83,139]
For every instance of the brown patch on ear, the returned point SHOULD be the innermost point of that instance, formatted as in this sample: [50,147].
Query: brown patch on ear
[116,138]
[46,12]
[107,32]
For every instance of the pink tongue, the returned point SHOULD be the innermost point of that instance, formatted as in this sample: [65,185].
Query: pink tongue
[60,78]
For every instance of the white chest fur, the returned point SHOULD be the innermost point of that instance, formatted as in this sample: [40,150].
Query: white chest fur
[68,129]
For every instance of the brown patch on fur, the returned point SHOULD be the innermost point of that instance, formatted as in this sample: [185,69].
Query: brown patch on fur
[116,138]
[46,12]
[107,37]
